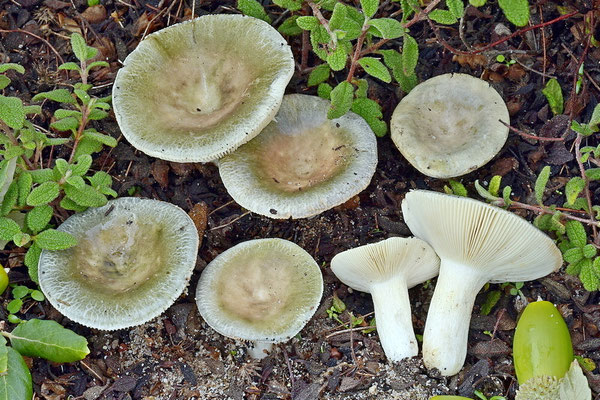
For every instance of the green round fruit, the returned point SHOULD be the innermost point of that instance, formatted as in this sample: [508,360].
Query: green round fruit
[3,280]
[542,344]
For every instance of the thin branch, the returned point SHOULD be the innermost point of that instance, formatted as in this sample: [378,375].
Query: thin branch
[529,136]
[547,210]
[317,13]
[357,48]
[37,37]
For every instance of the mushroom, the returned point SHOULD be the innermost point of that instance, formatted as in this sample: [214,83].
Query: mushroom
[132,260]
[302,163]
[386,270]
[199,89]
[477,243]
[263,291]
[449,125]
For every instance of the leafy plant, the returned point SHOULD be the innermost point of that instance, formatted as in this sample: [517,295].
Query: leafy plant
[34,338]
[29,193]
[578,245]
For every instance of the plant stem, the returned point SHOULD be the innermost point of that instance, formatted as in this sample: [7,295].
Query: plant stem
[529,136]
[547,210]
[357,48]
[85,112]
[317,13]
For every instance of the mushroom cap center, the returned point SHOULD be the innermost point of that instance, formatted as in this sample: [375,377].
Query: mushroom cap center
[118,256]
[199,92]
[302,159]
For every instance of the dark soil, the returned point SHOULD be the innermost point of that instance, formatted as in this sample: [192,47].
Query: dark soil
[177,356]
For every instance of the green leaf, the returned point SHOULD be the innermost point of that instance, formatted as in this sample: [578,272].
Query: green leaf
[458,188]
[456,7]
[91,52]
[84,162]
[589,251]
[477,3]
[289,27]
[42,175]
[58,95]
[35,109]
[573,188]
[85,196]
[491,300]
[483,192]
[324,91]
[82,95]
[595,119]
[410,55]
[573,256]
[319,36]
[494,187]
[341,100]
[14,306]
[588,277]
[43,194]
[20,291]
[443,17]
[88,145]
[337,59]
[97,114]
[11,66]
[540,184]
[371,112]
[32,258]
[369,7]
[70,66]
[516,11]
[16,384]
[49,340]
[576,233]
[99,179]
[37,295]
[79,47]
[554,95]
[24,187]
[308,23]
[8,228]
[388,28]
[76,181]
[96,64]
[39,217]
[10,199]
[21,239]
[292,5]
[593,174]
[3,356]
[51,239]
[375,68]
[337,17]
[318,75]
[4,81]
[100,137]
[12,112]
[69,204]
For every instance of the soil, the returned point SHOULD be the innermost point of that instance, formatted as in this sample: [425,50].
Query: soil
[177,356]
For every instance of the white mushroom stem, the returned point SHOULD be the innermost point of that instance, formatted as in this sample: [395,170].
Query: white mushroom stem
[259,349]
[447,327]
[393,316]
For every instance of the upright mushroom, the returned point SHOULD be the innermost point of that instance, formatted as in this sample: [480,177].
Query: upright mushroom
[477,243]
[302,163]
[199,89]
[386,270]
[133,259]
[262,290]
[449,125]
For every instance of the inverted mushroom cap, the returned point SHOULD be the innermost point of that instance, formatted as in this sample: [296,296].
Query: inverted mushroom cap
[302,163]
[495,242]
[199,89]
[133,259]
[476,243]
[448,125]
[260,290]
[386,270]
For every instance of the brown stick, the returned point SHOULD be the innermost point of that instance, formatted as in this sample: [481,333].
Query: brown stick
[529,136]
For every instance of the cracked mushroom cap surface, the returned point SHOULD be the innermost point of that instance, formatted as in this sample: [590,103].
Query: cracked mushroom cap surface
[302,163]
[197,90]
[260,290]
[449,125]
[489,239]
[133,259]
[364,266]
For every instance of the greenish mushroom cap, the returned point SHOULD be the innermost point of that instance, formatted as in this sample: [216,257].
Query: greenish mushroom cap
[133,259]
[197,90]
[449,125]
[260,290]
[302,163]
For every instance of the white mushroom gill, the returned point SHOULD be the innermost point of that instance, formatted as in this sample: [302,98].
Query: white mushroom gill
[386,270]
[476,243]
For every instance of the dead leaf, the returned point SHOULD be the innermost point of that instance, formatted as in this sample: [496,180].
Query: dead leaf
[160,172]
[95,14]
[199,214]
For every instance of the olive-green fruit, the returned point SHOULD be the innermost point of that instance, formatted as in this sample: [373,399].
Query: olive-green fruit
[3,280]
[542,344]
